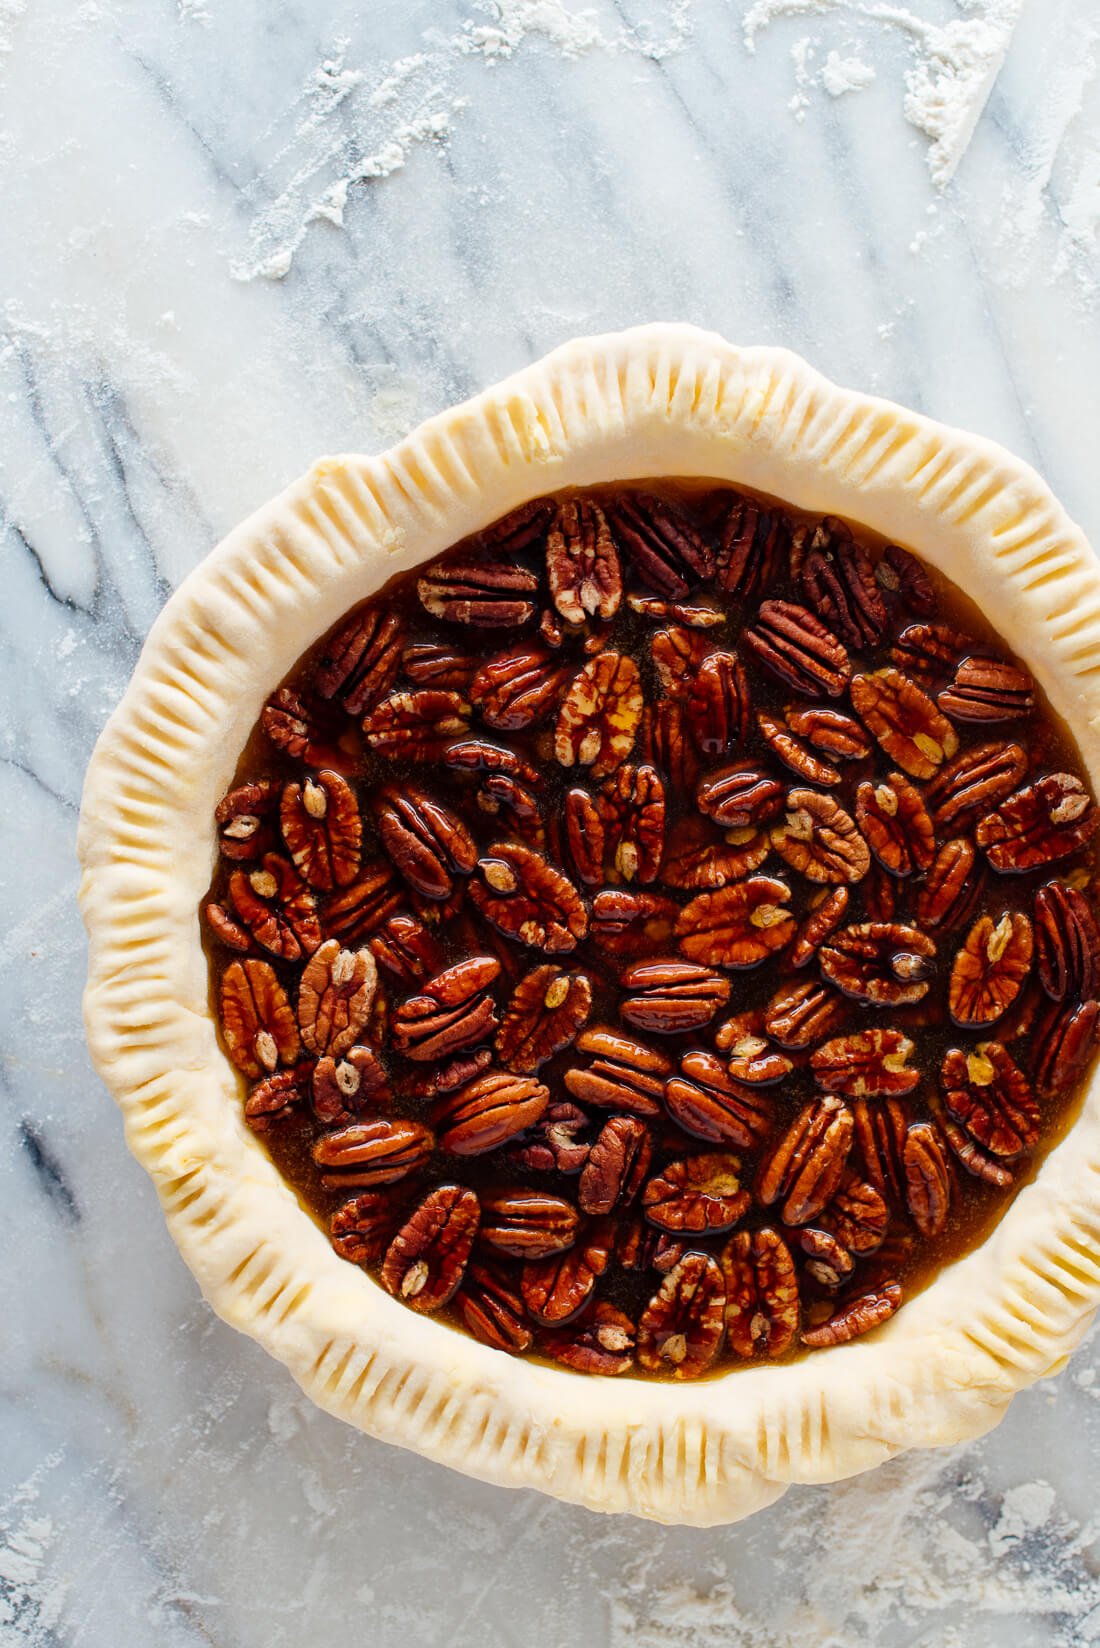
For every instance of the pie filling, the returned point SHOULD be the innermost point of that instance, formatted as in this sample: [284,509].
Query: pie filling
[660,933]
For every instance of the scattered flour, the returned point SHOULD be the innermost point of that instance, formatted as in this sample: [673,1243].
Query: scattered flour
[845,74]
[31,1596]
[954,69]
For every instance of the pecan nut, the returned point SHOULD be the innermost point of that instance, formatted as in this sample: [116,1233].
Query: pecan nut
[929,652]
[830,731]
[518,688]
[1068,942]
[751,542]
[342,1087]
[793,753]
[557,1289]
[838,581]
[868,1064]
[737,926]
[599,715]
[484,594]
[1064,1040]
[824,918]
[672,996]
[362,1228]
[927,1178]
[525,897]
[492,1108]
[680,1331]
[629,923]
[880,1134]
[582,563]
[492,1310]
[527,1224]
[857,1317]
[427,1259]
[857,1215]
[277,1096]
[901,574]
[307,730]
[617,1165]
[718,704]
[885,964]
[954,884]
[905,721]
[322,829]
[624,1074]
[990,969]
[987,689]
[740,796]
[706,1101]
[245,819]
[547,1009]
[619,835]
[1037,825]
[258,1024]
[277,908]
[557,1142]
[664,544]
[798,1015]
[820,840]
[974,783]
[677,655]
[796,647]
[762,1307]
[428,843]
[438,664]
[356,911]
[417,725]
[406,949]
[359,663]
[376,1152]
[806,1166]
[697,855]
[697,1195]
[665,742]
[990,1097]
[335,998]
[453,1012]
[602,1342]
[896,825]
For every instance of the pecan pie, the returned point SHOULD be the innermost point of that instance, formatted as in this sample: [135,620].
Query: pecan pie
[658,1051]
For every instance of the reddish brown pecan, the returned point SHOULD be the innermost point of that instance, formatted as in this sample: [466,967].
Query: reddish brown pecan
[277,1096]
[857,1215]
[602,1342]
[277,908]
[445,1078]
[796,647]
[799,1015]
[557,1142]
[793,753]
[830,731]
[527,1224]
[547,1008]
[519,529]
[973,783]
[706,1101]
[680,1330]
[740,796]
[989,969]
[629,923]
[364,905]
[762,1308]
[641,1246]
[665,742]
[407,950]
[335,997]
[838,581]
[518,687]
[362,1228]
[417,725]
[826,915]
[322,829]
[867,1064]
[905,721]
[428,843]
[896,825]
[697,1195]
[245,820]
[667,549]
[453,1012]
[1068,942]
[677,654]
[695,614]
[340,1088]
[306,729]
[672,996]
[718,704]
[882,963]
[359,663]
[525,897]
[820,840]
[475,755]
[485,594]
[618,835]
[900,573]
[988,689]
[515,805]
[857,1317]
[990,1097]
[492,1108]
[751,542]
[806,1166]
[929,652]
[927,1178]
[617,1165]
[737,926]
[438,664]
[1043,822]
[624,1074]
[492,1310]
[954,884]
[751,1059]
[582,563]
[555,1290]
[827,1260]
[880,1135]
[599,715]
[1064,1041]
[426,1260]
[697,855]
[258,1024]
[372,1153]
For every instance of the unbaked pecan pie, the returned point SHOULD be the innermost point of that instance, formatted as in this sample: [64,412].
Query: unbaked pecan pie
[660,933]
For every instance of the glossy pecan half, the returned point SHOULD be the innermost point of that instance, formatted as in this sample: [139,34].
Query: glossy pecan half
[927,1178]
[426,1260]
[798,649]
[454,1011]
[801,1014]
[1039,824]
[762,1308]
[988,1094]
[335,998]
[1064,1041]
[547,1008]
[557,1289]
[417,725]
[737,926]
[820,840]
[665,742]
[698,855]
[276,907]
[599,715]
[632,923]
[880,1136]
[905,721]
[858,1316]
[484,594]
[664,544]
[492,1108]
[528,899]
[706,1101]
[827,910]
[1067,940]
[359,663]
[954,884]
[793,753]
[829,730]
[245,819]
[624,1074]
[341,1087]
[671,996]
[896,825]
[601,1342]
[973,783]
[492,1309]
[375,1152]
[582,563]
[990,969]
[616,1166]
[806,1166]
[866,1064]
[718,703]
[988,689]
[745,794]
[362,1228]
[427,842]
[838,581]
[307,729]
[517,688]
[618,835]
[527,1224]
[322,829]
[680,1331]
[750,545]
[697,1195]
[886,964]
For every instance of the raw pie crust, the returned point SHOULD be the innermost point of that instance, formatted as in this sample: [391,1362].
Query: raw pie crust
[658,400]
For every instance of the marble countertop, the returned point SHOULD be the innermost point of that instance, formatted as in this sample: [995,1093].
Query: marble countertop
[236,236]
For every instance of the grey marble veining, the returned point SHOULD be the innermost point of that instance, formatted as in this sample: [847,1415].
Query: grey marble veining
[161,1480]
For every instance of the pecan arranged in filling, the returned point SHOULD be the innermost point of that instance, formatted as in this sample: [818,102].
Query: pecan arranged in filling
[658,934]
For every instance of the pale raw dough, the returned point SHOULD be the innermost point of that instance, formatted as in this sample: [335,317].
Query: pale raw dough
[659,400]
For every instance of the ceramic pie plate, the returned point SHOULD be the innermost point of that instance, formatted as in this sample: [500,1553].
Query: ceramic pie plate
[656,401]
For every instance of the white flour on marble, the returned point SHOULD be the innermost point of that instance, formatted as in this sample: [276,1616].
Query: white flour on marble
[955,64]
